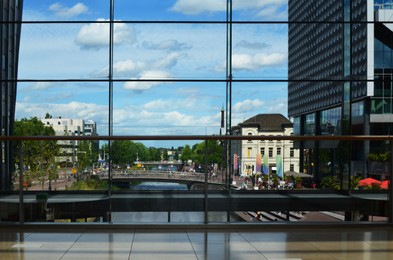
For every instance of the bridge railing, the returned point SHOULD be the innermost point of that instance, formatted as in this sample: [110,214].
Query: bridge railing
[242,171]
[169,175]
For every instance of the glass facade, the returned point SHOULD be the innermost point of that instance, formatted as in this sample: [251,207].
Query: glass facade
[10,33]
[330,121]
[383,4]
[382,101]
[164,83]
[363,80]
[309,126]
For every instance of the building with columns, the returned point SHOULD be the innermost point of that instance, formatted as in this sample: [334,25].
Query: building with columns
[280,154]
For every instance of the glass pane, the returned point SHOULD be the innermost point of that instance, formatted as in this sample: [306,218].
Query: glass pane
[162,108]
[58,51]
[46,10]
[260,51]
[260,10]
[70,109]
[168,10]
[253,98]
[172,51]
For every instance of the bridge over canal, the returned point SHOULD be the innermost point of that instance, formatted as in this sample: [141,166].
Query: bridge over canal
[191,179]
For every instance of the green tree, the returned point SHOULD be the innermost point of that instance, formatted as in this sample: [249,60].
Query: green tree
[186,154]
[104,151]
[36,158]
[214,152]
[140,151]
[121,152]
[154,154]
[165,155]
[86,154]
[125,152]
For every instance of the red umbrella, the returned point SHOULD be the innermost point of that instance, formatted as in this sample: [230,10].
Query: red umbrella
[369,182]
[385,185]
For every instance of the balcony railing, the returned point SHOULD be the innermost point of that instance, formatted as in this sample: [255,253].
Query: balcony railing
[218,192]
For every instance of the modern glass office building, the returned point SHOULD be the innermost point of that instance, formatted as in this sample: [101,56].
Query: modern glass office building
[340,80]
[11,15]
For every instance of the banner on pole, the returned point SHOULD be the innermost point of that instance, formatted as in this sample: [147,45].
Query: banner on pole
[265,164]
[235,162]
[279,170]
[258,163]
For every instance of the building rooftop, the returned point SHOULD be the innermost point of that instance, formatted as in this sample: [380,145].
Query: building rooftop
[267,122]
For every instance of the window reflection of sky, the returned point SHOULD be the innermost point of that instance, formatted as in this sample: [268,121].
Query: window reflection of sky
[145,49]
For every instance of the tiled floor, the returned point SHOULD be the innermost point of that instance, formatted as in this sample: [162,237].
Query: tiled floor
[335,242]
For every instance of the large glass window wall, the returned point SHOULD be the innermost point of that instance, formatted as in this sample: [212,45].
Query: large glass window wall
[330,121]
[382,101]
[167,84]
[309,125]
[383,4]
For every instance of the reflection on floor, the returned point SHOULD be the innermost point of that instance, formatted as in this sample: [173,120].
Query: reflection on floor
[262,242]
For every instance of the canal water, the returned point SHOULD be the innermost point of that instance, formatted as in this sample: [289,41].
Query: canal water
[151,185]
[166,217]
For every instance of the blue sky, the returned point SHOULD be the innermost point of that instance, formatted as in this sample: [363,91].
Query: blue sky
[180,51]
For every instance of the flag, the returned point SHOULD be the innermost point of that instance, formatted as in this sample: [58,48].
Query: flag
[265,164]
[258,163]
[279,166]
[235,162]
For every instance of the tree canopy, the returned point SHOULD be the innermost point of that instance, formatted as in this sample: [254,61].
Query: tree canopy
[214,152]
[125,152]
[38,157]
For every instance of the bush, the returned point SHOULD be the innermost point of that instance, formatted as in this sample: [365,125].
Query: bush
[381,157]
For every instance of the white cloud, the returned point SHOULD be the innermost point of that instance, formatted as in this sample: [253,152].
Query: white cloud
[141,86]
[252,45]
[195,7]
[42,85]
[257,61]
[122,68]
[169,61]
[131,119]
[169,45]
[67,110]
[247,105]
[191,104]
[165,122]
[96,35]
[272,12]
[158,104]
[66,12]
[127,66]
[252,4]
[278,107]
[130,68]
[179,118]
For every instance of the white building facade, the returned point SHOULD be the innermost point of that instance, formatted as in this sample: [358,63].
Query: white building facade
[280,155]
[70,127]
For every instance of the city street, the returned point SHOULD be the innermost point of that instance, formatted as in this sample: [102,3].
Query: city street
[65,180]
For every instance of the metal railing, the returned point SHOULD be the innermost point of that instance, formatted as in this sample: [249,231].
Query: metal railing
[73,204]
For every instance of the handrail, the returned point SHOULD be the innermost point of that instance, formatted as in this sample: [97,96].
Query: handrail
[203,137]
